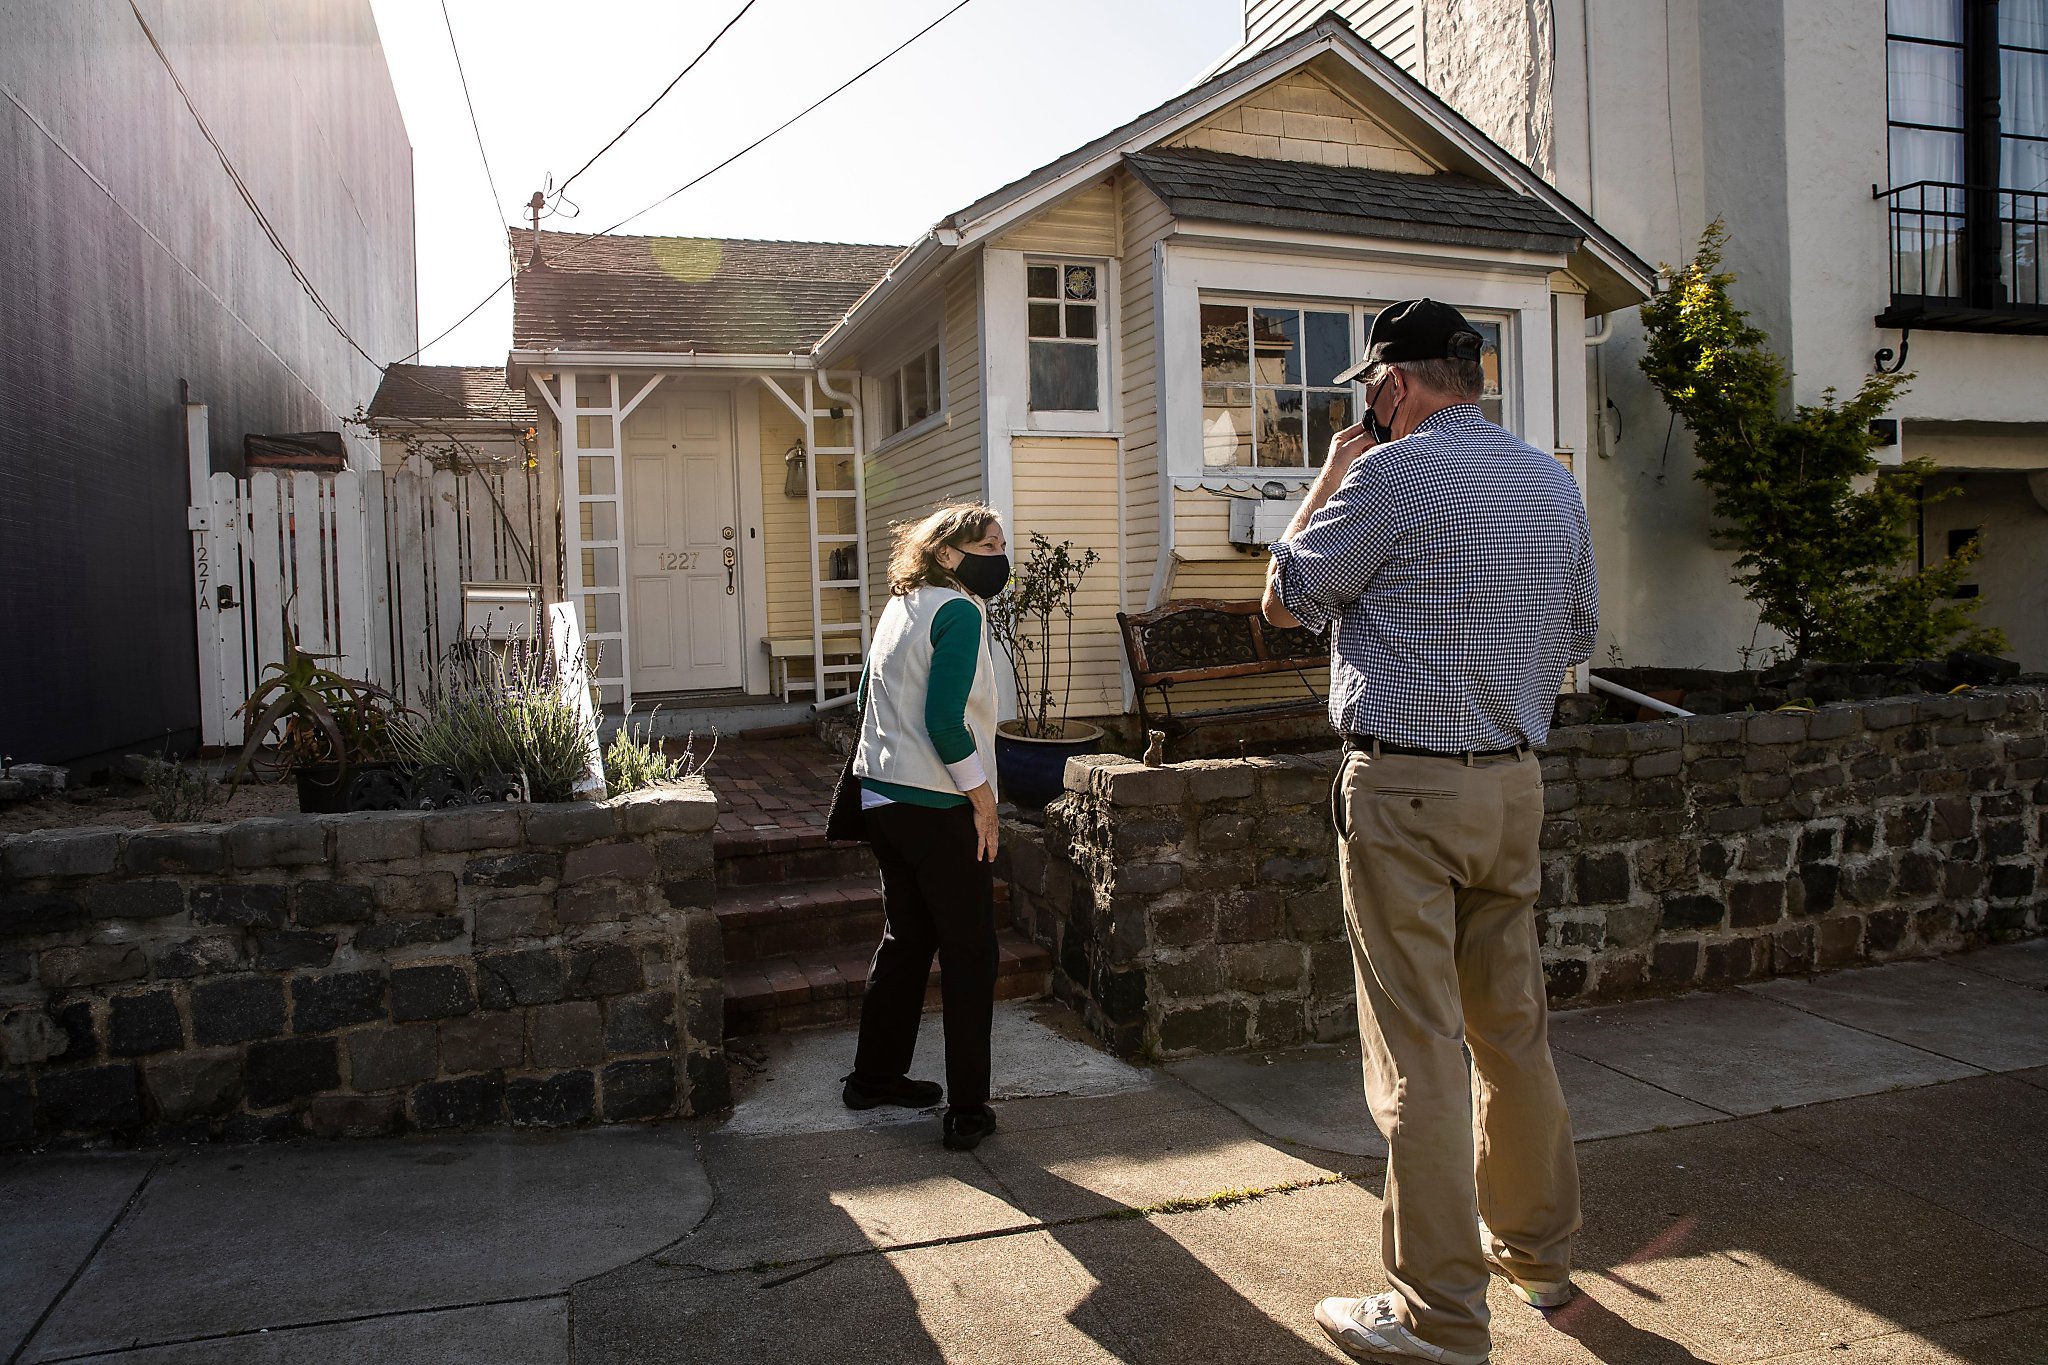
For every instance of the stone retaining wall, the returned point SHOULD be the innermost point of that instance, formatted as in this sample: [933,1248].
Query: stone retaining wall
[1194,908]
[356,974]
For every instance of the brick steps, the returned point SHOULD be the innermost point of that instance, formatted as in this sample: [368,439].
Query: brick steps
[780,857]
[760,921]
[825,985]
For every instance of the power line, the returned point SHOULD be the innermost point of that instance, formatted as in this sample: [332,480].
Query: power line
[497,200]
[459,321]
[563,188]
[247,195]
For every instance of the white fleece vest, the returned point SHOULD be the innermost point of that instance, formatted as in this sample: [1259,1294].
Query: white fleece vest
[894,745]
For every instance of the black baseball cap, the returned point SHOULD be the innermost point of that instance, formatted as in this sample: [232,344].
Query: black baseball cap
[1416,329]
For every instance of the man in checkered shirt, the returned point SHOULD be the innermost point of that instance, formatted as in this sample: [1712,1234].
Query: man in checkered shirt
[1453,566]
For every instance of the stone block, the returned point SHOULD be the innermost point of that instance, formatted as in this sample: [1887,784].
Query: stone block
[1219,779]
[692,893]
[1278,1022]
[2012,881]
[483,1042]
[1297,830]
[1223,833]
[1182,926]
[1564,979]
[194,1085]
[1818,887]
[1260,967]
[465,1102]
[684,857]
[514,917]
[243,904]
[1559,797]
[1197,975]
[155,899]
[1734,820]
[63,853]
[1148,879]
[702,951]
[409,932]
[287,1069]
[1707,771]
[589,905]
[1204,1029]
[321,1004]
[278,841]
[40,912]
[237,1009]
[1663,868]
[1242,917]
[378,836]
[1614,792]
[1651,736]
[1316,914]
[643,1089]
[149,852]
[142,1024]
[512,869]
[629,861]
[2004,839]
[1711,729]
[1734,961]
[707,1084]
[1294,871]
[1752,904]
[1602,878]
[1884,930]
[640,1023]
[1953,819]
[386,1058]
[557,1101]
[600,970]
[1692,912]
[1296,779]
[204,955]
[531,976]
[439,990]
[1675,962]
[30,1036]
[279,950]
[1631,926]
[688,806]
[421,893]
[565,1035]
[570,822]
[464,829]
[15,966]
[92,964]
[97,1099]
[1136,785]
[354,1116]
[1888,715]
[325,903]
[1669,763]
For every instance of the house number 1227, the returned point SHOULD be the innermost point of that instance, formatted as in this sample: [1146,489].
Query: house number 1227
[680,559]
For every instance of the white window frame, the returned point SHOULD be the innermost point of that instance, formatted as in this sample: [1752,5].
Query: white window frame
[886,376]
[1094,419]
[1362,312]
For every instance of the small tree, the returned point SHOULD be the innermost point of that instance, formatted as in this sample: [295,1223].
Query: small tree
[1021,620]
[1820,558]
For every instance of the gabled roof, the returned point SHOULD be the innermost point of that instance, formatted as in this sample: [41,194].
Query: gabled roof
[708,294]
[1220,187]
[450,393]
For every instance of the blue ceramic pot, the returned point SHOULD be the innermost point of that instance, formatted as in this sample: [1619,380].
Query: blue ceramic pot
[1031,772]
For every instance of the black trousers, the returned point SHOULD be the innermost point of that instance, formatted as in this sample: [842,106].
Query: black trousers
[937,897]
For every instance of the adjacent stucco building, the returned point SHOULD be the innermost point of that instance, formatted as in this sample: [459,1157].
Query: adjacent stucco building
[134,276]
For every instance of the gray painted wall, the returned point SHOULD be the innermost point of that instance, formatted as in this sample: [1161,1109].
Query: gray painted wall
[129,264]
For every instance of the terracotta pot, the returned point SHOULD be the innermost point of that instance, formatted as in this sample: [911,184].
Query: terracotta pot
[1031,772]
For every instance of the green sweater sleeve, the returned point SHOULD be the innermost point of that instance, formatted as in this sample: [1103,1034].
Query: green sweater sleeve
[956,653]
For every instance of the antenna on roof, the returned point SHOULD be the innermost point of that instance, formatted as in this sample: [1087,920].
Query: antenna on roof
[534,206]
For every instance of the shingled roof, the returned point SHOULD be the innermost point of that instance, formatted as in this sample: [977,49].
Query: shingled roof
[1220,187]
[685,293]
[443,393]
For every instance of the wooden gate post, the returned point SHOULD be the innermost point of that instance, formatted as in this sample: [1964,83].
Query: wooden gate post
[207,577]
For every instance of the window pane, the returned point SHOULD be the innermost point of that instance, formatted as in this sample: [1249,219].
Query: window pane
[593,391]
[1044,319]
[1489,355]
[1063,377]
[1081,320]
[601,613]
[1920,155]
[892,415]
[1280,433]
[1081,282]
[933,373]
[1490,409]
[2023,23]
[1276,346]
[1226,425]
[1925,84]
[594,433]
[2023,99]
[1328,347]
[1941,19]
[599,520]
[917,398]
[1328,414]
[1042,281]
[600,568]
[1224,357]
[594,477]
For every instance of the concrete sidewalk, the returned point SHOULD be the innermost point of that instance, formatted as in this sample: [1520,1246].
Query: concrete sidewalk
[1850,1168]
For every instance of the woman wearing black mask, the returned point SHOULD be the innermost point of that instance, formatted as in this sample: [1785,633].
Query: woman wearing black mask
[927,768]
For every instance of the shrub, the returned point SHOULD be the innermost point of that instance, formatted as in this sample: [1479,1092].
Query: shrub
[177,792]
[636,759]
[502,709]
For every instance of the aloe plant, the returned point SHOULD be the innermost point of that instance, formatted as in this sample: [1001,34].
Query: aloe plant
[327,718]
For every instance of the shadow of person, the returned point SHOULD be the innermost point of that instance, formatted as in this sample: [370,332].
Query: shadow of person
[1609,1337]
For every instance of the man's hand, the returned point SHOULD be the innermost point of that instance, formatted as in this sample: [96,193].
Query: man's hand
[983,799]
[1346,446]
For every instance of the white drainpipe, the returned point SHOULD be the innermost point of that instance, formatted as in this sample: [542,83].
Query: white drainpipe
[1601,684]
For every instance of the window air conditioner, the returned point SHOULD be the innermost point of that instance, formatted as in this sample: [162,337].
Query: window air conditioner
[1258,522]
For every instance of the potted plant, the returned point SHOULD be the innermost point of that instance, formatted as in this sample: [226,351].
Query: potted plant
[331,725]
[1032,750]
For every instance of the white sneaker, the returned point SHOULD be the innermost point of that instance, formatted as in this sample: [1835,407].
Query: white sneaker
[1366,1329]
[1535,1293]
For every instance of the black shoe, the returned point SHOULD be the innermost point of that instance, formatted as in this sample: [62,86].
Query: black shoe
[901,1090]
[965,1128]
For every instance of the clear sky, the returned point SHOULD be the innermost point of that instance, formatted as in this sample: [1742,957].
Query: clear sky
[998,89]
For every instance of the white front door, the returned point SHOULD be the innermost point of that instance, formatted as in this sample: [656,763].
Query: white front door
[683,546]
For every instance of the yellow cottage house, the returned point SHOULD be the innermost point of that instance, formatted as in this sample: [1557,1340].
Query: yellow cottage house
[1131,348]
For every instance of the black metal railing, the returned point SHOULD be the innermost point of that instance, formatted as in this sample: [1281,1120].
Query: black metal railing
[1968,246]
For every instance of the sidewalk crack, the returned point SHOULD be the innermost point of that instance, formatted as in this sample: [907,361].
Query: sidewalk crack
[42,1319]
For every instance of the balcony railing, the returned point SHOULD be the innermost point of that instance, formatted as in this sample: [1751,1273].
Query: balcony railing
[1967,257]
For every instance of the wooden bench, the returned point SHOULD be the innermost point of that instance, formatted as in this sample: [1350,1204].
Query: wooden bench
[1203,639]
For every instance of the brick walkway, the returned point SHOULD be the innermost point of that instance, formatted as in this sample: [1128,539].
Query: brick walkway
[771,785]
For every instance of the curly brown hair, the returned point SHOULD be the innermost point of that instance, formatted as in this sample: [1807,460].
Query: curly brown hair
[914,562]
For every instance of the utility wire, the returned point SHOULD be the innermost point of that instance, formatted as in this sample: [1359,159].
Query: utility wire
[248,196]
[563,188]
[497,200]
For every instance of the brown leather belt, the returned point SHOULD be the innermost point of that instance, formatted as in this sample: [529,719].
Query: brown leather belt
[1367,744]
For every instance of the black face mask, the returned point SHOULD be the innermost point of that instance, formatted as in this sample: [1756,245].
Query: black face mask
[983,575]
[1381,432]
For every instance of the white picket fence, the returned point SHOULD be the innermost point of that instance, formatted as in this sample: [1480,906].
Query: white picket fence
[368,568]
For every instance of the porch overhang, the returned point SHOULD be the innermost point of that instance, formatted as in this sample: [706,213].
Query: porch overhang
[519,364]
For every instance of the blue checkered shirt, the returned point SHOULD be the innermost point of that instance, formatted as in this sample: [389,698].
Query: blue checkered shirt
[1457,568]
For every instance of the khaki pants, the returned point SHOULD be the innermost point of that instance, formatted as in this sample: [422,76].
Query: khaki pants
[1441,871]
